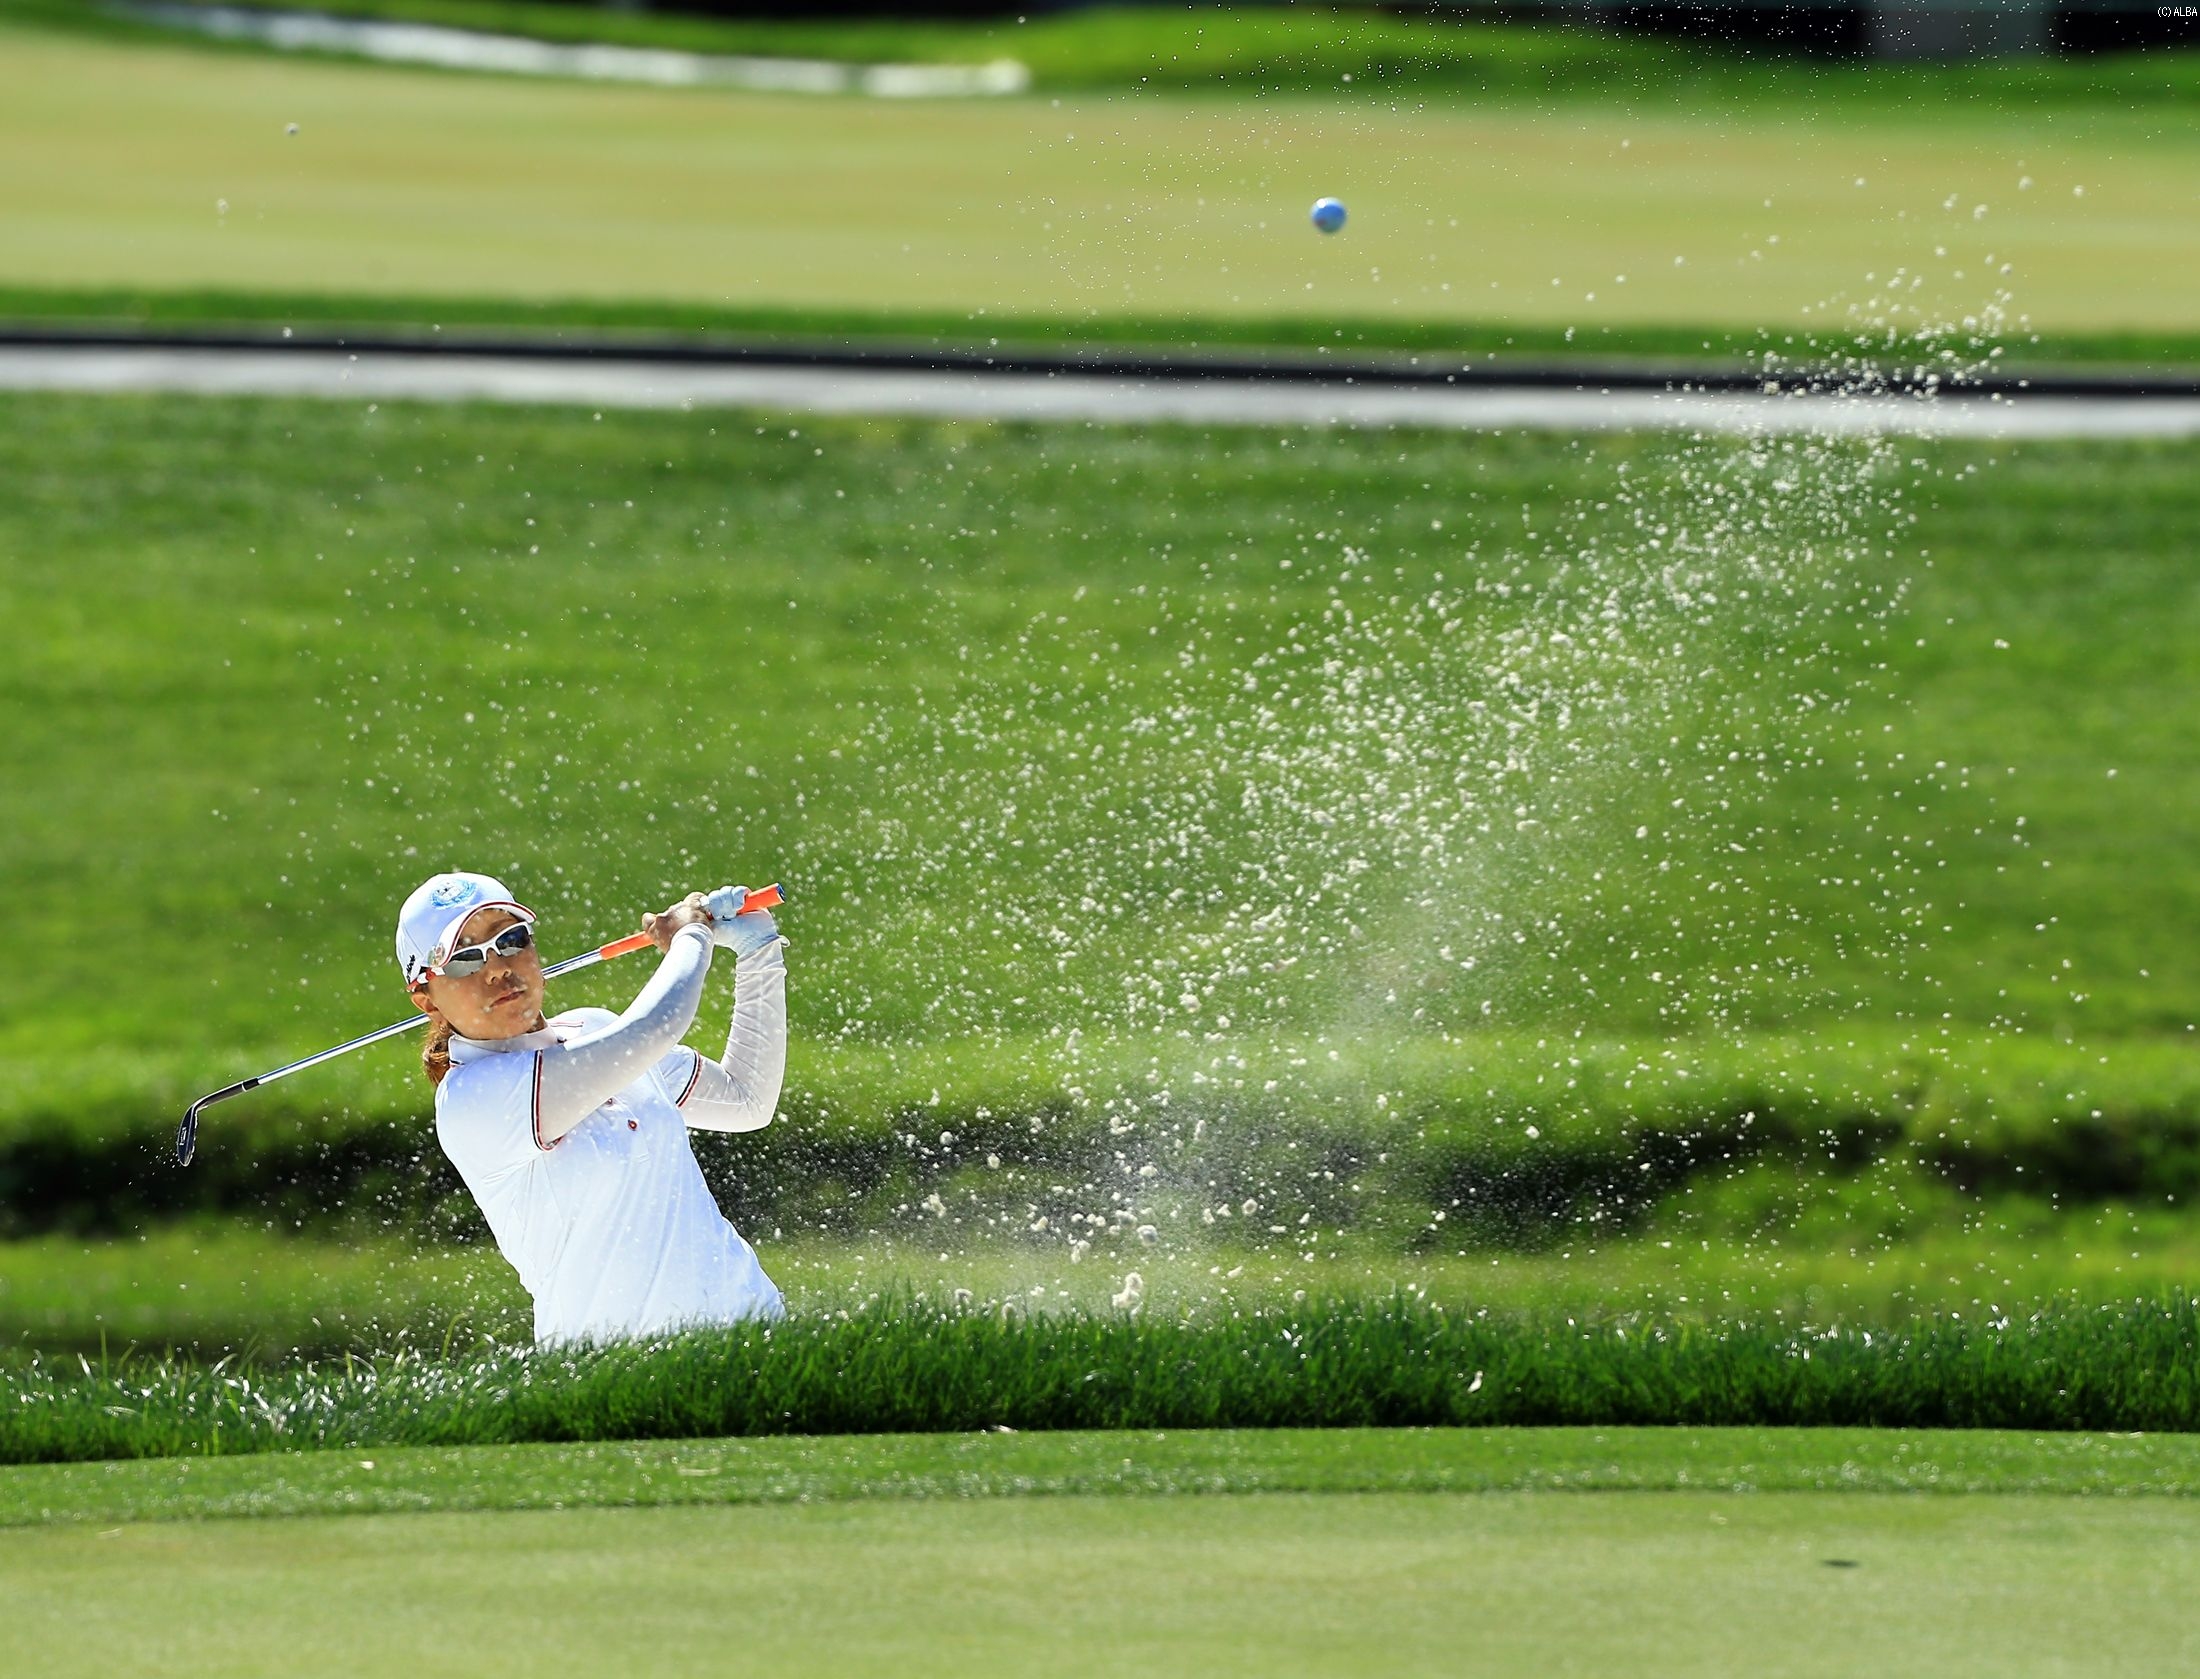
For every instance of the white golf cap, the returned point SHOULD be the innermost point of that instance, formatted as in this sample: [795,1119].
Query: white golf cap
[438,908]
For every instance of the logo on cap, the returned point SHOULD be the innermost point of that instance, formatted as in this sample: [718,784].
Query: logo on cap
[453,892]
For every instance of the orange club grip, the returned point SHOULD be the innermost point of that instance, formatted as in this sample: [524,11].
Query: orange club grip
[764,897]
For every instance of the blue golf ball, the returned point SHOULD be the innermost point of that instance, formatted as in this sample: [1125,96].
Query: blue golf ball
[1328,214]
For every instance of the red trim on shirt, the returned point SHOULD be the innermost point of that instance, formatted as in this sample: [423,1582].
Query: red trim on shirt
[536,1106]
[694,1078]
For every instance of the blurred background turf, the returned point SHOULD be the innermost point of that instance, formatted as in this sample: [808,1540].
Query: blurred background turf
[269,662]
[273,661]
[1548,178]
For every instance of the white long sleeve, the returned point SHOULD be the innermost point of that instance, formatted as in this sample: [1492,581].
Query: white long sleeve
[572,1139]
[581,1074]
[741,1091]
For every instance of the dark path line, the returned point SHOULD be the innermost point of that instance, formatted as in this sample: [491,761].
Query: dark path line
[1406,370]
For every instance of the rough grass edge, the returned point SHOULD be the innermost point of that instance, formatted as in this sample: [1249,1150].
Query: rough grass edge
[904,1367]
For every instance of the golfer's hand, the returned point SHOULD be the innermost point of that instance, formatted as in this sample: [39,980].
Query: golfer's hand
[743,934]
[688,912]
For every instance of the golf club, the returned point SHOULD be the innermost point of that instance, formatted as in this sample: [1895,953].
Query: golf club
[187,1134]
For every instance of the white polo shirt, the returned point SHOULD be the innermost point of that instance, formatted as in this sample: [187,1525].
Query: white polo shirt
[611,1227]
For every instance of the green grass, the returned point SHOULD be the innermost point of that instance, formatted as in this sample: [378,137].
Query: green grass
[1120,47]
[1311,48]
[1779,1243]
[1488,346]
[900,1366]
[216,1285]
[1202,1463]
[1473,1128]
[274,662]
[1646,1583]
[116,155]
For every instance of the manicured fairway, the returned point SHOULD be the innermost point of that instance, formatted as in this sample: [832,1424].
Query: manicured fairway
[1376,1584]
[419,1479]
[162,166]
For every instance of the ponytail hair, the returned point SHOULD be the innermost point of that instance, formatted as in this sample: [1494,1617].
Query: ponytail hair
[435,1054]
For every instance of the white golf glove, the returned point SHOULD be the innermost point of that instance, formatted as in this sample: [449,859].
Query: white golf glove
[744,935]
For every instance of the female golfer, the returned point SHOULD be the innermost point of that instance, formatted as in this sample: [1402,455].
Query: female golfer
[572,1132]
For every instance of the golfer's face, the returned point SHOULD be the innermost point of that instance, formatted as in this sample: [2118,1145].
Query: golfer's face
[501,1001]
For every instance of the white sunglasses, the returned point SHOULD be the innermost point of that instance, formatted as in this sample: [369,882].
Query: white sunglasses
[465,963]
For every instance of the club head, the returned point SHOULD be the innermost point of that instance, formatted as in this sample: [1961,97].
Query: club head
[187,1134]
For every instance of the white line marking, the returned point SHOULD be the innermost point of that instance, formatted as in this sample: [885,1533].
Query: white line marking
[395,376]
[516,55]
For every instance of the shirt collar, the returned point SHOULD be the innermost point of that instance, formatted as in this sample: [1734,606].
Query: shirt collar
[464,1049]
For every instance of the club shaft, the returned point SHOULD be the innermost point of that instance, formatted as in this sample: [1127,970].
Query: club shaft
[389,1031]
[764,897]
